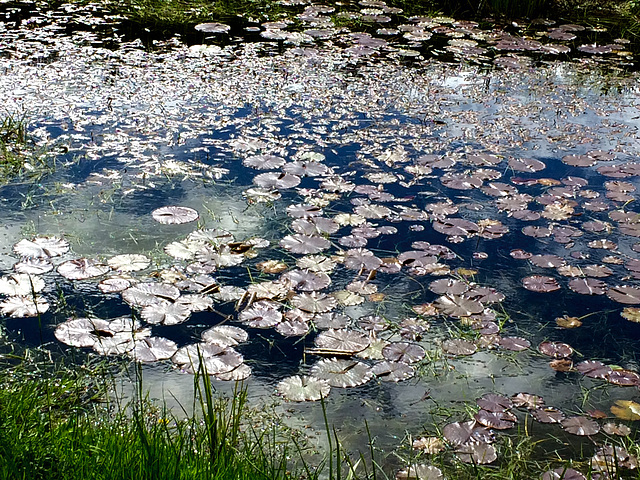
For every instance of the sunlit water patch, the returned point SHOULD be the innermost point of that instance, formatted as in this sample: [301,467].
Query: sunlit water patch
[400,240]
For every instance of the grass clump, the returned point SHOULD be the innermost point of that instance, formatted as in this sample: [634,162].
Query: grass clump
[54,424]
[19,156]
[13,142]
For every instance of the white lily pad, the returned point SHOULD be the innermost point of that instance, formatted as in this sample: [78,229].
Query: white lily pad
[303,389]
[165,313]
[173,215]
[225,335]
[213,359]
[20,284]
[82,332]
[82,269]
[18,307]
[153,349]
[129,262]
[342,373]
[41,247]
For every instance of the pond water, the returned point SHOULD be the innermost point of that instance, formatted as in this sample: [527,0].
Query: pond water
[453,212]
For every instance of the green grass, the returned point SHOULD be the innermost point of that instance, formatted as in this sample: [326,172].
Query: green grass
[13,141]
[18,155]
[180,16]
[53,425]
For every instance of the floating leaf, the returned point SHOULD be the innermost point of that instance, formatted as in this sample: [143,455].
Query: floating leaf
[527,400]
[114,285]
[343,341]
[347,298]
[41,247]
[272,266]
[276,180]
[18,307]
[456,306]
[293,328]
[540,283]
[461,433]
[20,284]
[213,359]
[580,426]
[145,294]
[624,378]
[420,472]
[262,162]
[389,371]
[82,268]
[493,402]
[262,314]
[166,313]
[305,281]
[624,294]
[153,349]
[82,332]
[403,352]
[129,263]
[593,369]
[555,349]
[459,347]
[588,286]
[303,389]
[548,415]
[631,313]
[501,420]
[626,410]
[33,266]
[212,27]
[241,372]
[620,429]
[563,473]
[477,453]
[174,215]
[314,302]
[298,243]
[225,335]
[568,322]
[342,373]
[516,344]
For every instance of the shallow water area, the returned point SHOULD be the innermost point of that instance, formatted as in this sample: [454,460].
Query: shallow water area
[460,205]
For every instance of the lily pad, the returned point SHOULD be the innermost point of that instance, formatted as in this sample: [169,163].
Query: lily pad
[212,359]
[389,371]
[173,215]
[21,284]
[580,426]
[129,262]
[41,247]
[153,349]
[403,352]
[344,341]
[225,335]
[342,373]
[540,283]
[303,389]
[82,268]
[29,306]
[420,472]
